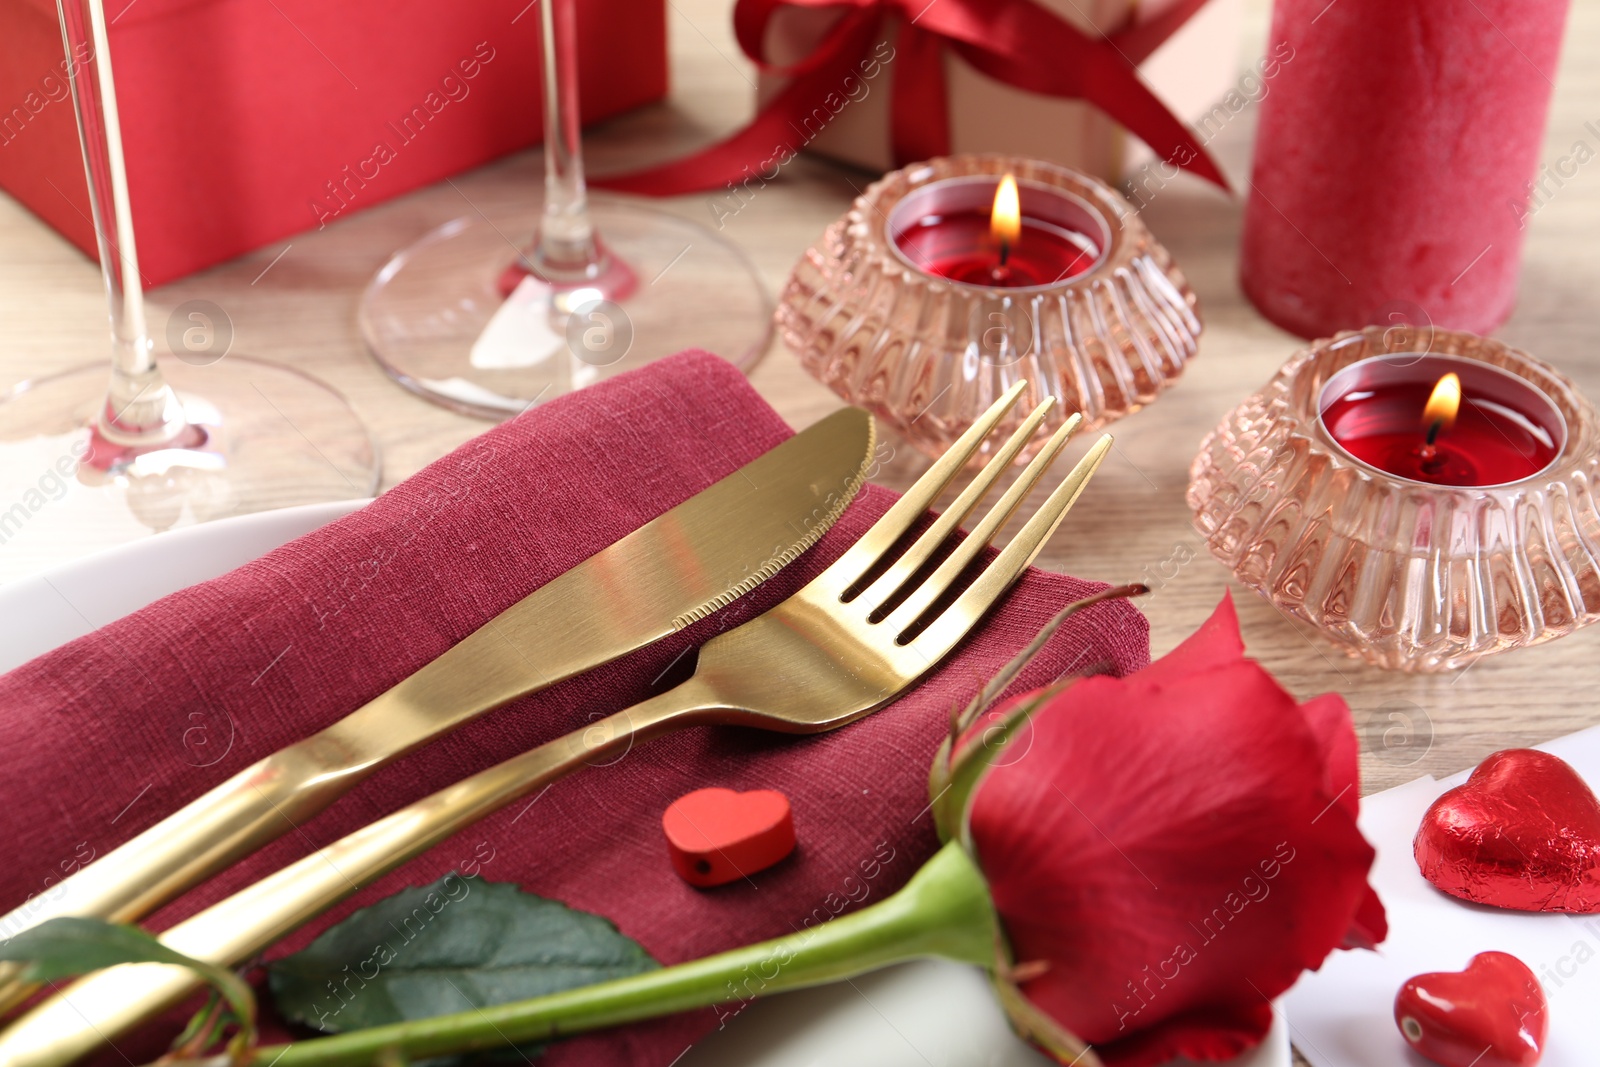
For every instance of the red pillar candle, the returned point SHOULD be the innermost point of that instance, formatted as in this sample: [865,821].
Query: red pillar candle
[1441,420]
[977,231]
[1394,161]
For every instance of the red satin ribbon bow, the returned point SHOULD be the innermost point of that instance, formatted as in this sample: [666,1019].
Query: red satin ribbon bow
[1013,41]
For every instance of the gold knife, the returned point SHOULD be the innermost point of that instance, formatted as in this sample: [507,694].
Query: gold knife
[701,555]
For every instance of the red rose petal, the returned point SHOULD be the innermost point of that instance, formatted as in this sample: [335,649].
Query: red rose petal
[1213,1033]
[1170,849]
[1216,644]
[1371,924]
[1329,718]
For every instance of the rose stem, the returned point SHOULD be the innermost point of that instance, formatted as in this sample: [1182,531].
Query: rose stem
[944,910]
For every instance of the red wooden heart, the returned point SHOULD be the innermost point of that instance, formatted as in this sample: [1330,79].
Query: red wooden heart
[717,836]
[1523,832]
[1490,1015]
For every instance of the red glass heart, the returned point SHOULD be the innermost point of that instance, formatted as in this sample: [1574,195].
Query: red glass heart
[717,835]
[1490,1015]
[1523,832]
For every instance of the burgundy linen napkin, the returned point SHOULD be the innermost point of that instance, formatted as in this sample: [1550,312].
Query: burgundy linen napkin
[108,734]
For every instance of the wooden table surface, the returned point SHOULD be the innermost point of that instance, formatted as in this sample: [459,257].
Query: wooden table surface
[1132,524]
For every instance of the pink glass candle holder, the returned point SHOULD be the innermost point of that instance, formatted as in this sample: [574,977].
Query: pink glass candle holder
[909,306]
[1343,496]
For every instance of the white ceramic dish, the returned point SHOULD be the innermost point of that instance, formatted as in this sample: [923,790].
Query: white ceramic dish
[925,1014]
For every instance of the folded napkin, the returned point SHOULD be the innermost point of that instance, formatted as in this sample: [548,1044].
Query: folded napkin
[108,734]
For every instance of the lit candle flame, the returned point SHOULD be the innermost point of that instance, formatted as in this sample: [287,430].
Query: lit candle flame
[1005,219]
[1440,412]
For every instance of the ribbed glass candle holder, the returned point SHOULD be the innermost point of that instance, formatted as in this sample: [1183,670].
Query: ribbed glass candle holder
[870,316]
[1397,571]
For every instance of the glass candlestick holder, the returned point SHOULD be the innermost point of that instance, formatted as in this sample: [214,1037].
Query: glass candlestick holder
[1415,532]
[911,306]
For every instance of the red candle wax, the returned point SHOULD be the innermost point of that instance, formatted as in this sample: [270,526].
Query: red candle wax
[1492,441]
[1390,181]
[958,245]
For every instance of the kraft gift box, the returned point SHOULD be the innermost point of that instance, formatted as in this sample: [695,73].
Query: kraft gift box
[1191,73]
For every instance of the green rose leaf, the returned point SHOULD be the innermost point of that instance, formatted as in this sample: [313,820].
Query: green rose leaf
[457,944]
[67,946]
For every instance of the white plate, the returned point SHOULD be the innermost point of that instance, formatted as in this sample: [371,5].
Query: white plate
[925,1014]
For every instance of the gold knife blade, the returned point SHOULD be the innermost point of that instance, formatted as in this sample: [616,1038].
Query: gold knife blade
[678,568]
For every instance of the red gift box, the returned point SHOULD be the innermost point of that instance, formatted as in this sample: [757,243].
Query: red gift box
[244,123]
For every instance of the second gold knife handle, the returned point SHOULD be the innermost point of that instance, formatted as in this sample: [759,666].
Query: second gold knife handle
[256,806]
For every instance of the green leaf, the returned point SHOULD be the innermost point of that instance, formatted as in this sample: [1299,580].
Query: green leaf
[457,944]
[68,946]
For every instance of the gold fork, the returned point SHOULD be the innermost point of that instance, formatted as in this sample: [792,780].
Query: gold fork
[855,637]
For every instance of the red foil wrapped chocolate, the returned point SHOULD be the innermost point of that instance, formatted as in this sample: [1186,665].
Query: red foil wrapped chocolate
[1523,832]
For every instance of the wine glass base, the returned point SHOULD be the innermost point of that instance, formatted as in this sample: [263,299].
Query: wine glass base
[271,437]
[437,320]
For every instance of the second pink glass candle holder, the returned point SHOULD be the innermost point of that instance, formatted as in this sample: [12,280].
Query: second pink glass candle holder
[1396,570]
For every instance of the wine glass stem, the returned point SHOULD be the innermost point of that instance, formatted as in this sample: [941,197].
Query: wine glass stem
[140,406]
[566,236]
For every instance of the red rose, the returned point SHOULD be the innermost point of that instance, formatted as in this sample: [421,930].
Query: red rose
[1174,848]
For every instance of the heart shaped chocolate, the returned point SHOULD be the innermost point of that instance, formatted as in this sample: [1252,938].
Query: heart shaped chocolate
[1523,832]
[717,835]
[1492,1014]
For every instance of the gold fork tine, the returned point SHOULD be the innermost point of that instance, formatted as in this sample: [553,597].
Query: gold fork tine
[941,579]
[957,619]
[919,553]
[860,557]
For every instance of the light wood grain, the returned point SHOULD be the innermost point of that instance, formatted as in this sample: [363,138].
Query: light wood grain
[1133,523]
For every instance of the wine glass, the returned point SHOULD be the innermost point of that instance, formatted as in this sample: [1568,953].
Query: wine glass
[490,315]
[169,442]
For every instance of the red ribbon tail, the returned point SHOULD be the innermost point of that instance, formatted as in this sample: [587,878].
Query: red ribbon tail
[1138,41]
[1168,136]
[919,101]
[787,124]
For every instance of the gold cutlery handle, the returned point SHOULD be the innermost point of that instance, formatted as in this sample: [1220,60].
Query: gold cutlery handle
[268,799]
[250,809]
[101,1006]
[256,806]
[253,808]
